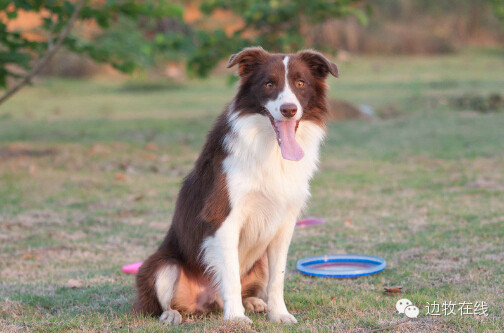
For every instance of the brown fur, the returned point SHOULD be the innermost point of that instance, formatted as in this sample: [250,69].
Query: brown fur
[203,202]
[202,205]
[201,188]
[257,66]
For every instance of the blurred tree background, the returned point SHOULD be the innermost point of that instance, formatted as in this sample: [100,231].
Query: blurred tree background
[132,34]
[167,36]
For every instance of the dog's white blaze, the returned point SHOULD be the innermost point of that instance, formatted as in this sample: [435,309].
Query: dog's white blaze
[285,96]
[266,194]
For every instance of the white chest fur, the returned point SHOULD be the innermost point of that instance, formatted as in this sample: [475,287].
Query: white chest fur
[265,190]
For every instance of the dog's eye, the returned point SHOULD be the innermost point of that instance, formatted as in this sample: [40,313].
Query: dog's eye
[268,85]
[300,83]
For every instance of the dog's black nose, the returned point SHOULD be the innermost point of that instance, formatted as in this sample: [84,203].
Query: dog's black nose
[288,110]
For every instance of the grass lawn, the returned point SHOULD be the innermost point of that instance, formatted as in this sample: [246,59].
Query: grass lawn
[90,170]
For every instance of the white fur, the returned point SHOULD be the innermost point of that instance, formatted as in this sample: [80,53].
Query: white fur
[165,284]
[266,195]
[221,257]
[277,257]
[285,96]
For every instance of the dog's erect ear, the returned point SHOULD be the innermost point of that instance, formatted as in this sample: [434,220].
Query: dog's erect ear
[246,59]
[319,65]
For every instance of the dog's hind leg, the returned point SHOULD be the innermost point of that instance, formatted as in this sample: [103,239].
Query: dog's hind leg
[254,286]
[166,282]
[157,281]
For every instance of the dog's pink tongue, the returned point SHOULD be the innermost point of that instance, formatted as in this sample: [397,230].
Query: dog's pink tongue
[288,144]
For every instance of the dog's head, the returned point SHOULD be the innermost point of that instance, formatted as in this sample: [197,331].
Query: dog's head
[286,88]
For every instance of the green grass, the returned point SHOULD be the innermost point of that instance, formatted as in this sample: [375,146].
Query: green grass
[90,169]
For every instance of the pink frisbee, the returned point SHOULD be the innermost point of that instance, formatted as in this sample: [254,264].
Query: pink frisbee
[309,221]
[132,268]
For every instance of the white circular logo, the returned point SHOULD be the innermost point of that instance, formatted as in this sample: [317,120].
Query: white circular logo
[402,304]
[411,311]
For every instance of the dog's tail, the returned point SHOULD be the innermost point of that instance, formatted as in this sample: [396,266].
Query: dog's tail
[147,301]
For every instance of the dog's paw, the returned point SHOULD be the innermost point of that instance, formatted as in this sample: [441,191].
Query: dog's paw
[284,318]
[238,319]
[254,304]
[171,317]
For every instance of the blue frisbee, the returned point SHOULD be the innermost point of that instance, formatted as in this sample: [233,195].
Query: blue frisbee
[341,265]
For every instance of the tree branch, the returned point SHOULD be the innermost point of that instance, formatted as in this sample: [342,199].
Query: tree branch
[42,62]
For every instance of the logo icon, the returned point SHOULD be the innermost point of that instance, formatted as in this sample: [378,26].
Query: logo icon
[411,311]
[402,304]
[405,306]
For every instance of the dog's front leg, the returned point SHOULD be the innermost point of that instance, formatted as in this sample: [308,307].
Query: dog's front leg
[277,260]
[221,256]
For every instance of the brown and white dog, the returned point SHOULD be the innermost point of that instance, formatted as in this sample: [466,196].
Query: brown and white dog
[236,211]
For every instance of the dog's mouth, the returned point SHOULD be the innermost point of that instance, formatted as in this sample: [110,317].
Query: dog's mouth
[286,137]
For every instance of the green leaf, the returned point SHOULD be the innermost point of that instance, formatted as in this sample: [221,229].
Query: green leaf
[12,15]
[361,16]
